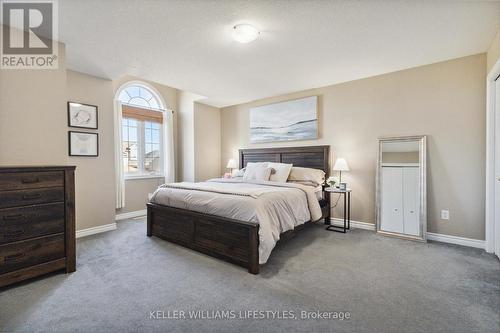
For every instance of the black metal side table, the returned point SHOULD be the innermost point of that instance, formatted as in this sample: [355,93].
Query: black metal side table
[347,210]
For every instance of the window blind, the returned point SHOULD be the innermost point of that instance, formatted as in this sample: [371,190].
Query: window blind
[143,114]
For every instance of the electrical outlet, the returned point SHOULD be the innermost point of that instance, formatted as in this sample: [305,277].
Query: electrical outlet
[445,214]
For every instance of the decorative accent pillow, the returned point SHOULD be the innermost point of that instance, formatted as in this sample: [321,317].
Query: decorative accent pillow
[298,174]
[239,173]
[282,172]
[257,171]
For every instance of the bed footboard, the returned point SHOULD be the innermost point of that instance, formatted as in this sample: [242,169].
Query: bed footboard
[231,240]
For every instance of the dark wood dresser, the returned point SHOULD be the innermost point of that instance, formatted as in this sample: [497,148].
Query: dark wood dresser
[37,221]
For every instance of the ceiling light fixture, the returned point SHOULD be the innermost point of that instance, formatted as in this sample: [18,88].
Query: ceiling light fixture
[245,33]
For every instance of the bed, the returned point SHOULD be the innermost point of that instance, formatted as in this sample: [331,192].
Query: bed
[233,239]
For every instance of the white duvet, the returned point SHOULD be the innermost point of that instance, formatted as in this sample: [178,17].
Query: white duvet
[276,207]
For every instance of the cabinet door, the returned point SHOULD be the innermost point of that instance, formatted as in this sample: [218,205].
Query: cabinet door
[392,200]
[411,198]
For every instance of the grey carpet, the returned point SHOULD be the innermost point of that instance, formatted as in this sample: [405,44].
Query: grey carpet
[387,285]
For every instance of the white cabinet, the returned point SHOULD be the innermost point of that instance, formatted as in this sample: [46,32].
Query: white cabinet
[411,195]
[400,200]
[392,200]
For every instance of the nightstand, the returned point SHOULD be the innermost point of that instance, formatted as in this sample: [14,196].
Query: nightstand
[347,209]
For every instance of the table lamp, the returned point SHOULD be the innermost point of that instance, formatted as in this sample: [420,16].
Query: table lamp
[232,164]
[340,165]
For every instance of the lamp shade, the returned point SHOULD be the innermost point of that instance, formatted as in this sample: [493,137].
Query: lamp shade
[341,165]
[232,164]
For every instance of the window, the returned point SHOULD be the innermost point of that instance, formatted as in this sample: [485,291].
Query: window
[140,96]
[142,128]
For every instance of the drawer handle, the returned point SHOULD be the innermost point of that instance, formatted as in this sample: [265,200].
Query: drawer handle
[13,217]
[30,180]
[14,258]
[31,196]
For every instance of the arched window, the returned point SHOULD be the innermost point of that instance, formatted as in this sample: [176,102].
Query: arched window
[142,131]
[140,96]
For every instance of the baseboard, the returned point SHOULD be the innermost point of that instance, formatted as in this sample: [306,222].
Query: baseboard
[111,226]
[354,224]
[477,243]
[131,215]
[95,230]
[480,244]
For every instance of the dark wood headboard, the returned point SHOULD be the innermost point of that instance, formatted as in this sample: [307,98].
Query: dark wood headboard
[317,157]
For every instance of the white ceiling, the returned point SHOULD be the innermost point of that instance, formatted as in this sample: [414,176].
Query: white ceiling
[303,44]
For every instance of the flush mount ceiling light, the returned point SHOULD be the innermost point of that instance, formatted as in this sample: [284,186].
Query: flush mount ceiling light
[245,33]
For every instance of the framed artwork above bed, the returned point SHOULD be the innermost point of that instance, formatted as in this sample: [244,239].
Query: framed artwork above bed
[285,121]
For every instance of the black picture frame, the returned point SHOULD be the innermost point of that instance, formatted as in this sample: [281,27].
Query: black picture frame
[70,153]
[88,105]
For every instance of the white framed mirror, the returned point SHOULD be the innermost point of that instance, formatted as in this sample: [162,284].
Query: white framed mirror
[402,188]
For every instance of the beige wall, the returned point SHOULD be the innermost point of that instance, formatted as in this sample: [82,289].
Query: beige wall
[445,101]
[95,176]
[206,142]
[199,138]
[33,119]
[493,52]
[136,193]
[33,131]
[185,102]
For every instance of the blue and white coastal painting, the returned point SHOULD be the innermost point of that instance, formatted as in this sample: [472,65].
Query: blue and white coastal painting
[285,121]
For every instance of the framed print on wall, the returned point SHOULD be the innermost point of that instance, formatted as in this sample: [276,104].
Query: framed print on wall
[82,115]
[83,144]
[285,121]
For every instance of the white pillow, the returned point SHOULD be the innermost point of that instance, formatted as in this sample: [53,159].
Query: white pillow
[257,171]
[304,182]
[282,172]
[256,164]
[316,176]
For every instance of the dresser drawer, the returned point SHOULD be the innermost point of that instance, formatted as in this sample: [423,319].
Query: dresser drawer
[32,221]
[26,180]
[26,253]
[31,197]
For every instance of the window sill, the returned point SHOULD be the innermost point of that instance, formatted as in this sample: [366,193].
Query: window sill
[138,177]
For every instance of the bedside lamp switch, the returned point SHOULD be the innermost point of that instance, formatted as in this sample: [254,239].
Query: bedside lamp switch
[445,214]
